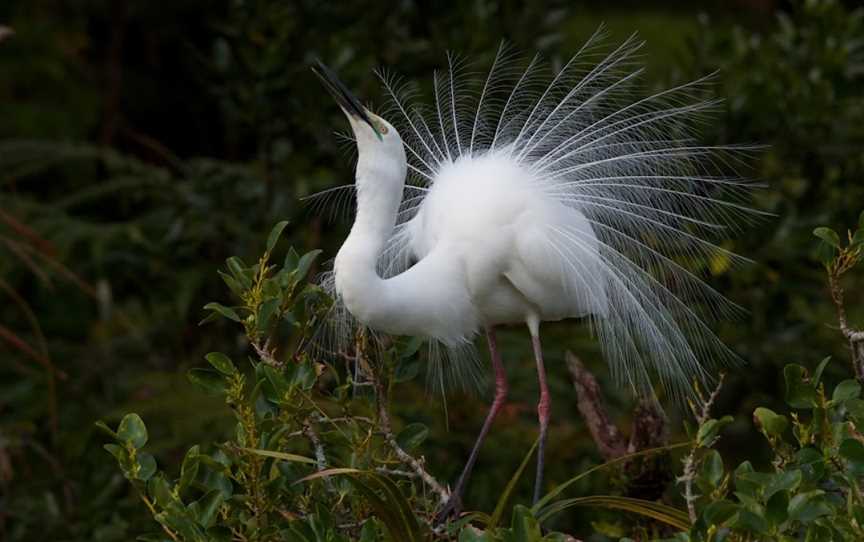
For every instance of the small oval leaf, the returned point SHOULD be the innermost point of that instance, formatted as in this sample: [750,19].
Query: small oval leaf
[221,363]
[828,235]
[133,430]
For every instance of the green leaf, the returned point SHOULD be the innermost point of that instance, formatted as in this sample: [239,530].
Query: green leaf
[160,491]
[852,450]
[265,313]
[712,468]
[825,253]
[776,510]
[189,467]
[227,312]
[278,384]
[369,532]
[782,481]
[133,430]
[238,268]
[858,238]
[412,436]
[384,497]
[719,511]
[709,430]
[275,233]
[525,526]
[231,282]
[304,375]
[208,380]
[848,389]
[146,466]
[800,393]
[828,235]
[291,260]
[119,453]
[221,363]
[855,408]
[808,506]
[305,264]
[208,507]
[406,369]
[770,422]
[811,462]
[747,520]
[817,374]
[473,534]
[107,430]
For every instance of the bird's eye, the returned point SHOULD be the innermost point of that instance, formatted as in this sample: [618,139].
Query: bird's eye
[380,126]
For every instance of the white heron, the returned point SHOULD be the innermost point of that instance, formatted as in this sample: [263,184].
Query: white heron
[524,195]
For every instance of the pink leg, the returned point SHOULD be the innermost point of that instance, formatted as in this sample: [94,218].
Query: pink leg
[454,505]
[542,414]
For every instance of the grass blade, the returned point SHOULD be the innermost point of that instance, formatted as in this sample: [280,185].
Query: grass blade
[654,510]
[622,459]
[285,457]
[508,489]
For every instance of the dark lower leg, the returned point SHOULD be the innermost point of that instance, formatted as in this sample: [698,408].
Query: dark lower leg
[542,415]
[497,403]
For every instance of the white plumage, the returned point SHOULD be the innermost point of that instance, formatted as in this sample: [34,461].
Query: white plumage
[535,195]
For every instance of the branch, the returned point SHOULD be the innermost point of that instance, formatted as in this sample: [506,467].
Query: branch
[386,429]
[702,413]
[687,477]
[405,457]
[610,442]
[854,336]
[320,457]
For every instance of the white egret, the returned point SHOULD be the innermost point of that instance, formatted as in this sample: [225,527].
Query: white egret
[536,196]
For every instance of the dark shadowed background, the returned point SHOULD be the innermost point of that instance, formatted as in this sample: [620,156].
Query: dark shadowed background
[143,142]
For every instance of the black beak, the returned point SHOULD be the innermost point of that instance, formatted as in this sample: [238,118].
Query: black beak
[346,100]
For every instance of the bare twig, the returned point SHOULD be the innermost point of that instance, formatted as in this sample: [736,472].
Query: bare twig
[318,446]
[687,478]
[320,457]
[266,352]
[702,413]
[396,472]
[387,431]
[854,336]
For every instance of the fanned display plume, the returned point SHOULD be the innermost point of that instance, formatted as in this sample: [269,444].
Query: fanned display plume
[658,203]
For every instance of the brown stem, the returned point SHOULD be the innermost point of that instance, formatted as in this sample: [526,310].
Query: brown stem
[387,431]
[854,336]
[608,438]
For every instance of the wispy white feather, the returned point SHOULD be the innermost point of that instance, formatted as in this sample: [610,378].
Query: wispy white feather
[659,204]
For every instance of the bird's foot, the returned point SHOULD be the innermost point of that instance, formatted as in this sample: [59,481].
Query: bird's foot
[450,510]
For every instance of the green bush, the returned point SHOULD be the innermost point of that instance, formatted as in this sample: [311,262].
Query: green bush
[314,456]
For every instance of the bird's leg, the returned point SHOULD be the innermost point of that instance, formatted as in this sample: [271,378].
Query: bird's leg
[454,504]
[542,414]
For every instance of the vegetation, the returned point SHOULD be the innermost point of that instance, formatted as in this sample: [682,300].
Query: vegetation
[143,144]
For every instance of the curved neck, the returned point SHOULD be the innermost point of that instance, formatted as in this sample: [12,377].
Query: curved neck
[379,193]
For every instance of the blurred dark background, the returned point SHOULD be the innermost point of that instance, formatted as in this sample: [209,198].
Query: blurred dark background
[141,143]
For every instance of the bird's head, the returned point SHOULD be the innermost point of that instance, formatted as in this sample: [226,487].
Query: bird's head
[377,140]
